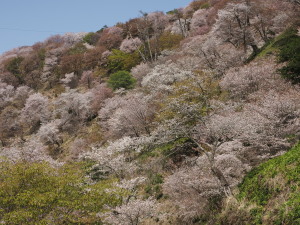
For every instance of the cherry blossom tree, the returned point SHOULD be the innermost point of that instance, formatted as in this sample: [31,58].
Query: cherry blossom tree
[111,37]
[270,17]
[114,158]
[162,76]
[6,94]
[181,23]
[70,80]
[133,212]
[21,94]
[199,23]
[87,78]
[140,71]
[73,108]
[31,151]
[214,55]
[9,124]
[100,93]
[233,26]
[242,81]
[49,133]
[36,111]
[130,45]
[132,115]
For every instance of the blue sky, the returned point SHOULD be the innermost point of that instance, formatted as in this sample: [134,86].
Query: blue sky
[25,22]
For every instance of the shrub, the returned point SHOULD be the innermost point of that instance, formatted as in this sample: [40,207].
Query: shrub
[14,67]
[290,53]
[121,79]
[169,41]
[119,60]
[36,193]
[77,49]
[91,38]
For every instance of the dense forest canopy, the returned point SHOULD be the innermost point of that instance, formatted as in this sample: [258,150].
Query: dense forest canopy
[168,118]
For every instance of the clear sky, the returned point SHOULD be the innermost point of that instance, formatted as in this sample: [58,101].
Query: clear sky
[25,22]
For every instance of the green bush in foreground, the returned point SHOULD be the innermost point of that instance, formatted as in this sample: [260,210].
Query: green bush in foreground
[36,193]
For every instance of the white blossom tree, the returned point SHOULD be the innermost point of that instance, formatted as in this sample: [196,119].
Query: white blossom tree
[36,111]
[114,158]
[70,80]
[233,26]
[49,133]
[130,45]
[6,94]
[132,213]
[128,115]
[73,108]
[163,76]
[242,81]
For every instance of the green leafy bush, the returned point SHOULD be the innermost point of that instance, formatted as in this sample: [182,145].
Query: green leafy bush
[169,41]
[77,49]
[121,79]
[119,60]
[91,38]
[14,67]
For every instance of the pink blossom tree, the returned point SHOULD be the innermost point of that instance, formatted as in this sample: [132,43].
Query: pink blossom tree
[130,45]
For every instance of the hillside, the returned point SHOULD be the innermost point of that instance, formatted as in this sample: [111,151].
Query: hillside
[183,117]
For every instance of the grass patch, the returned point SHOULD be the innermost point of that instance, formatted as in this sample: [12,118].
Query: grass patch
[275,187]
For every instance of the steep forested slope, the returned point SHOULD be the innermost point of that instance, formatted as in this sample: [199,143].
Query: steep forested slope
[156,120]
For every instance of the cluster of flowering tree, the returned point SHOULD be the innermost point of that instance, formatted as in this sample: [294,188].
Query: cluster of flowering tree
[200,117]
[73,108]
[245,24]
[127,115]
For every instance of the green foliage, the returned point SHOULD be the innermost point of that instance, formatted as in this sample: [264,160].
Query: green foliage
[41,56]
[121,79]
[36,193]
[119,60]
[154,186]
[14,67]
[290,53]
[205,5]
[169,41]
[168,149]
[268,182]
[287,46]
[172,12]
[77,49]
[91,38]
